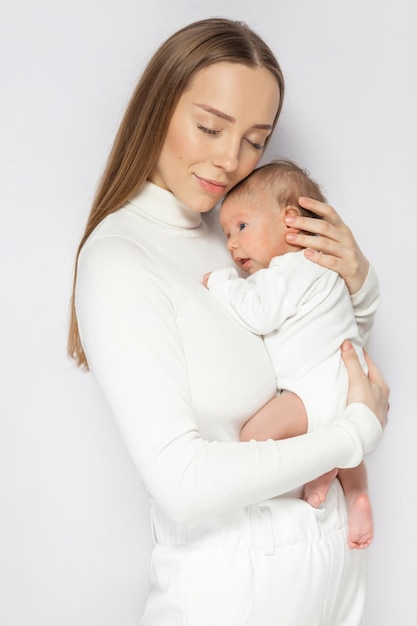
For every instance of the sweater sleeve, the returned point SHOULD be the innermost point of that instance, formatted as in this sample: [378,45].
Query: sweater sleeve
[365,303]
[127,324]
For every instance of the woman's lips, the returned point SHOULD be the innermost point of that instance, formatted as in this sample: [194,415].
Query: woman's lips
[211,186]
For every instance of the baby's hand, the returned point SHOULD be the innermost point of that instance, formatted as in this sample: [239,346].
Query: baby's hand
[205,278]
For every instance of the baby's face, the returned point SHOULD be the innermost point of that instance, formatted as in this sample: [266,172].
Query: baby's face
[255,230]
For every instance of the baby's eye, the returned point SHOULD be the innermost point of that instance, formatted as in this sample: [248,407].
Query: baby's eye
[242,226]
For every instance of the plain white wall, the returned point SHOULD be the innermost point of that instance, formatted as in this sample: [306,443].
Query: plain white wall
[74,533]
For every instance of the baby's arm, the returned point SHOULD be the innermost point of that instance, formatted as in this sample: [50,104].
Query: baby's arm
[206,279]
[284,416]
[260,303]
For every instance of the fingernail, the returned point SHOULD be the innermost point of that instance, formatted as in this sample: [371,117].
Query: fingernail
[291,237]
[290,219]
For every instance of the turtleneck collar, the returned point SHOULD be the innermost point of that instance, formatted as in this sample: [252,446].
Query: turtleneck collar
[160,205]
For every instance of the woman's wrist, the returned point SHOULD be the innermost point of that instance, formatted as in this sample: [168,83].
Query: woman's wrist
[359,271]
[364,431]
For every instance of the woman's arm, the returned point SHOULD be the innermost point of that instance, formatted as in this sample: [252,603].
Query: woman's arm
[285,415]
[128,329]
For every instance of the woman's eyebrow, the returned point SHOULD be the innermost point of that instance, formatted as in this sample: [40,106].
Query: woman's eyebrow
[227,117]
[221,114]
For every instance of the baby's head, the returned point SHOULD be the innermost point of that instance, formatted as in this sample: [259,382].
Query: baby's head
[253,213]
[284,180]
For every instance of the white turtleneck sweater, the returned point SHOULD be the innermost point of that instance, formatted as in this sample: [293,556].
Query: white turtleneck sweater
[181,377]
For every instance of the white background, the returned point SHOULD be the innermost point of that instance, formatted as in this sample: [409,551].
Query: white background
[74,535]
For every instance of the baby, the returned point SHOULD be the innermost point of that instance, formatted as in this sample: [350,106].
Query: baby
[304,313]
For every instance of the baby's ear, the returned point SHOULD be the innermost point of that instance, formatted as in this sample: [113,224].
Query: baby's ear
[292,211]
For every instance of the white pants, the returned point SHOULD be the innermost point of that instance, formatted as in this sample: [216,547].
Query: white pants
[277,563]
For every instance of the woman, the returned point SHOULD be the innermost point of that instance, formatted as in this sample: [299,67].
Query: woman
[234,543]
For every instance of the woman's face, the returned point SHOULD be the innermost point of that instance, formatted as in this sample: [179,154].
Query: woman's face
[217,133]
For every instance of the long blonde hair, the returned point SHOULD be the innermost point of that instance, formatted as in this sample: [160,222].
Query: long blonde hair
[142,131]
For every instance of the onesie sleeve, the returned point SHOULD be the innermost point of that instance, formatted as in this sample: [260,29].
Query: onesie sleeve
[127,323]
[365,303]
[261,302]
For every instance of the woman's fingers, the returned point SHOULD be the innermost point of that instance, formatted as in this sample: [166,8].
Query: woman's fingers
[371,390]
[377,381]
[329,243]
[358,381]
[330,227]
[322,209]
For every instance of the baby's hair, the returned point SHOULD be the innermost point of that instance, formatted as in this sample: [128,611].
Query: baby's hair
[286,180]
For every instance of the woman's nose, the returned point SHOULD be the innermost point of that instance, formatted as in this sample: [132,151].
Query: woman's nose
[227,155]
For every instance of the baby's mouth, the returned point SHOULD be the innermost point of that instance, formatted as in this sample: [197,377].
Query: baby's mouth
[242,262]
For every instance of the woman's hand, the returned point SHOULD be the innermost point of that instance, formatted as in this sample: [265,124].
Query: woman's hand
[371,390]
[334,247]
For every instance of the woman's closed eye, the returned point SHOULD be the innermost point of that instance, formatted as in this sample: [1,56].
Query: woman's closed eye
[208,131]
[214,132]
[254,144]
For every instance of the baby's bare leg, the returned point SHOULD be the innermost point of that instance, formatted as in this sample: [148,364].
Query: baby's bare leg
[282,417]
[361,527]
[315,492]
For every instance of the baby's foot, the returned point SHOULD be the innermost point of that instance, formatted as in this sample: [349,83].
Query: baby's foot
[315,492]
[361,526]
